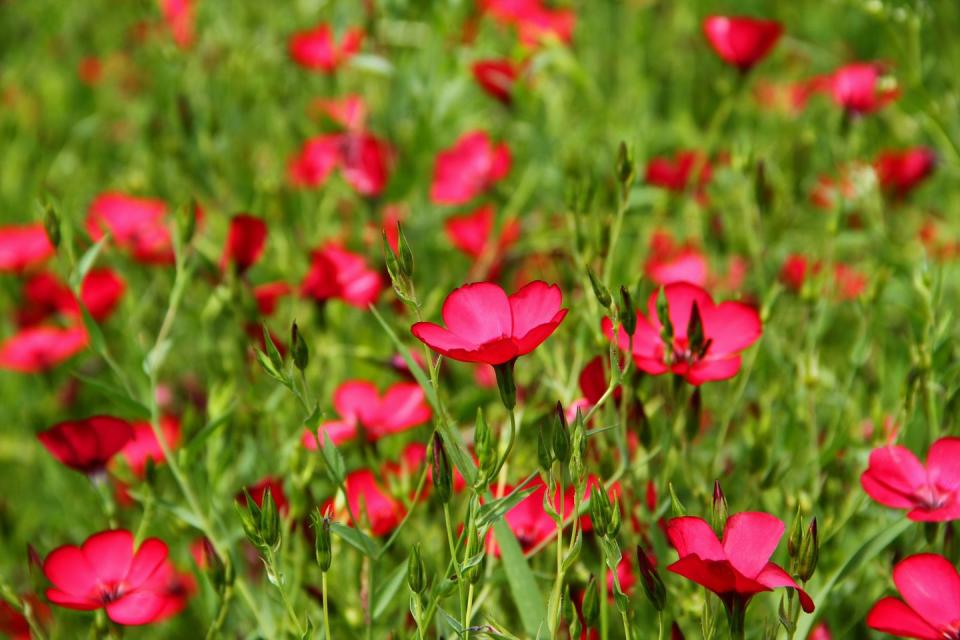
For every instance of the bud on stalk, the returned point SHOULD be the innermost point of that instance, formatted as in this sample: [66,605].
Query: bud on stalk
[719,513]
[599,512]
[561,436]
[441,471]
[544,455]
[506,384]
[51,223]
[650,579]
[416,571]
[323,544]
[301,354]
[809,552]
[406,255]
[599,290]
[625,166]
[628,315]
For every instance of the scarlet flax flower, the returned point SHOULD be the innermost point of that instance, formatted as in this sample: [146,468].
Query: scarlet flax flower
[496,77]
[930,609]
[41,348]
[670,262]
[900,172]
[931,493]
[473,234]
[44,295]
[106,572]
[316,49]
[179,17]
[742,41]
[363,159]
[468,168]
[675,173]
[144,446]
[859,89]
[702,342]
[338,273]
[87,445]
[246,239]
[737,567]
[23,247]
[138,225]
[370,503]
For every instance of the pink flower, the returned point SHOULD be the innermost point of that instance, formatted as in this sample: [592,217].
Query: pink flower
[44,295]
[370,503]
[246,240]
[472,233]
[135,224]
[669,262]
[930,609]
[900,172]
[363,159]
[857,88]
[144,446]
[360,405]
[337,273]
[737,567]
[316,50]
[820,632]
[179,16]
[727,329]
[87,445]
[931,493]
[674,173]
[268,296]
[316,161]
[534,22]
[742,41]
[106,572]
[40,348]
[496,77]
[468,168]
[23,247]
[483,324]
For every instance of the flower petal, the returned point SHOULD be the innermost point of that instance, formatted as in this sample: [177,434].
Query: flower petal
[67,568]
[892,616]
[773,576]
[535,304]
[930,585]
[749,539]
[478,312]
[137,607]
[898,468]
[713,370]
[731,327]
[110,553]
[404,406]
[693,536]
[537,335]
[149,557]
[943,463]
[357,400]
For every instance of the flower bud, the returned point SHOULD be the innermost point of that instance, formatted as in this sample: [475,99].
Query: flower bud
[561,436]
[298,347]
[416,571]
[809,552]
[406,255]
[591,603]
[486,451]
[663,314]
[695,336]
[578,446]
[269,521]
[544,455]
[599,290]
[51,223]
[250,520]
[628,315]
[613,527]
[323,545]
[650,580]
[719,513]
[599,511]
[796,535]
[675,505]
[187,223]
[441,471]
[625,166]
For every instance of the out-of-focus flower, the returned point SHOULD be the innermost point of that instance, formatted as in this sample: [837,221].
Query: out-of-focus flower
[468,168]
[674,173]
[350,111]
[44,295]
[179,18]
[317,159]
[87,445]
[90,70]
[316,49]
[820,632]
[15,625]
[472,233]
[144,445]
[534,22]
[135,224]
[669,262]
[337,273]
[483,324]
[496,77]
[900,172]
[41,348]
[704,341]
[931,493]
[741,41]
[246,239]
[268,296]
[930,588]
[23,247]
[859,88]
[363,159]
[370,503]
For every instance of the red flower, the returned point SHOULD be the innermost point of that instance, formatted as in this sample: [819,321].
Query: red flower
[22,247]
[468,168]
[316,161]
[849,282]
[44,295]
[899,172]
[727,329]
[15,625]
[106,572]
[895,478]
[87,445]
[742,41]
[370,503]
[414,456]
[135,224]
[674,173]
[245,242]
[337,273]
[472,233]
[363,158]
[360,404]
[350,111]
[737,567]
[143,446]
[268,295]
[496,77]
[669,262]
[41,348]
[821,632]
[930,609]
[533,21]
[178,14]
[257,492]
[177,587]
[483,324]
[795,270]
[315,49]
[857,88]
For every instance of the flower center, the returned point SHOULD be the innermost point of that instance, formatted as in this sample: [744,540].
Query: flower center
[111,592]
[930,498]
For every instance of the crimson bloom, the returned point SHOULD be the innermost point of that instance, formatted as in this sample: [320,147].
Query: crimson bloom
[534,22]
[703,342]
[496,77]
[40,348]
[363,159]
[472,233]
[317,159]
[144,446]
[106,572]
[135,224]
[338,273]
[468,168]
[246,239]
[737,567]
[23,246]
[44,295]
[360,406]
[316,49]
[930,609]
[857,88]
[675,173]
[350,111]
[87,445]
[268,296]
[899,172]
[483,324]
[742,41]
[179,17]
[669,262]
[895,478]
[370,503]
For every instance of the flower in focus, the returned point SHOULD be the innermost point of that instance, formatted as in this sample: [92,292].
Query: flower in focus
[246,239]
[338,273]
[900,172]
[23,247]
[496,77]
[669,262]
[87,445]
[360,405]
[106,572]
[707,354]
[468,168]
[41,348]
[483,324]
[859,88]
[135,224]
[742,41]
[930,609]
[737,567]
[931,493]
[315,49]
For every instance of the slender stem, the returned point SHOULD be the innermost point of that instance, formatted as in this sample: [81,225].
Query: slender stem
[554,613]
[615,234]
[469,613]
[226,597]
[453,554]
[326,613]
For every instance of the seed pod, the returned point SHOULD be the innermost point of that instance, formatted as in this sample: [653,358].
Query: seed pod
[269,521]
[599,511]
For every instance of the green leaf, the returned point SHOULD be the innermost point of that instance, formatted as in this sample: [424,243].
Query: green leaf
[97,342]
[131,407]
[523,586]
[204,433]
[388,591]
[86,263]
[313,420]
[357,539]
[494,511]
[450,620]
[271,370]
[275,358]
[336,468]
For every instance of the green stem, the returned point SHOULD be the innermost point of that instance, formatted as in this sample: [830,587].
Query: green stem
[326,613]
[226,597]
[453,556]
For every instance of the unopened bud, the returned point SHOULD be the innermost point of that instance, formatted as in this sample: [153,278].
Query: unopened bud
[650,579]
[441,471]
[416,571]
[719,513]
[298,347]
[809,552]
[51,224]
[323,544]
[628,315]
[544,455]
[663,314]
[405,255]
[599,511]
[625,165]
[695,335]
[561,436]
[675,505]
[270,521]
[599,290]
[796,535]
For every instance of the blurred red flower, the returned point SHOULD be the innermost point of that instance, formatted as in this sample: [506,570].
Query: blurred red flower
[316,49]
[369,503]
[363,158]
[858,88]
[931,493]
[44,295]
[496,77]
[472,233]
[179,17]
[258,490]
[670,262]
[675,173]
[899,172]
[23,247]
[740,40]
[737,567]
[135,224]
[483,324]
[87,445]
[338,273]
[468,168]
[40,348]
[350,111]
[144,446]
[930,588]
[534,22]
[246,239]
[726,329]
[268,296]
[15,625]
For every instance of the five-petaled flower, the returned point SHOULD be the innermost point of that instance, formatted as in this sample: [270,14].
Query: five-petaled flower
[859,89]
[702,340]
[895,478]
[338,273]
[930,609]
[468,168]
[87,445]
[316,49]
[742,41]
[23,246]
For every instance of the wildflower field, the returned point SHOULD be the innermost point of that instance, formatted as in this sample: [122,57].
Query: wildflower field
[490,319]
